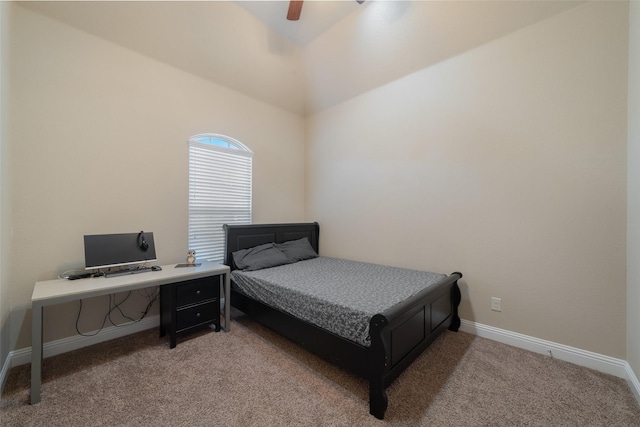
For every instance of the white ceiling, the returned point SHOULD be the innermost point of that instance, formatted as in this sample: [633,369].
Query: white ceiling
[337,50]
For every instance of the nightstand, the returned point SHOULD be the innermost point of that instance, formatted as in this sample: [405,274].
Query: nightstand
[189,305]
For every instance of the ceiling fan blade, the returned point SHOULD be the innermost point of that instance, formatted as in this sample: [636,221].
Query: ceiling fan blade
[295,7]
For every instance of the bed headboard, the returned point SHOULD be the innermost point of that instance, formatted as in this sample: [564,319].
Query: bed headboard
[247,236]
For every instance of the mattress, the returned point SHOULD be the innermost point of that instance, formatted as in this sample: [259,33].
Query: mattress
[338,295]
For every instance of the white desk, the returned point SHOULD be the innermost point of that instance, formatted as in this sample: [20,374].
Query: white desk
[57,291]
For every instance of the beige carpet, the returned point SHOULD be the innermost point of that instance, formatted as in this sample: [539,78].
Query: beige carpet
[252,377]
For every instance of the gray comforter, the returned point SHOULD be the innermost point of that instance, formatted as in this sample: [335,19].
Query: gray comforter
[334,294]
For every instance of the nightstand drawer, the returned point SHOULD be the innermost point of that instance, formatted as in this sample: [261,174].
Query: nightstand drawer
[196,315]
[196,291]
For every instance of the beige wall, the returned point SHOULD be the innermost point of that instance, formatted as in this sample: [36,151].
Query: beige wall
[506,162]
[5,222]
[633,215]
[99,145]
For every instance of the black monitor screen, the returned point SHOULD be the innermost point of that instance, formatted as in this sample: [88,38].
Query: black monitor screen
[111,250]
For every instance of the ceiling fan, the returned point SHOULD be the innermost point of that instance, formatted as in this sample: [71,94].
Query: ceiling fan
[295,7]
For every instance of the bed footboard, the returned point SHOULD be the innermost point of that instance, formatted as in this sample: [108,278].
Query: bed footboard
[400,335]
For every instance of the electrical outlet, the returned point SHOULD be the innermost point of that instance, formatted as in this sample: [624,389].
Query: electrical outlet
[496,304]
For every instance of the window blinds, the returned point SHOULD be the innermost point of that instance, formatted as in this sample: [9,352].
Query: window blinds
[219,193]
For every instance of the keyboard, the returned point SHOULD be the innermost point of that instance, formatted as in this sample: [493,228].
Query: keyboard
[124,272]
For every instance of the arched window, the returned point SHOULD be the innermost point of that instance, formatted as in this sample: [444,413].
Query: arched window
[220,172]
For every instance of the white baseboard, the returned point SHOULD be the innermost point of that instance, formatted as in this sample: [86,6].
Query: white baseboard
[609,365]
[4,372]
[633,382]
[52,348]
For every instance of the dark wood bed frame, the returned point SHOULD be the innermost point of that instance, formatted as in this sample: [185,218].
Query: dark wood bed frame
[398,336]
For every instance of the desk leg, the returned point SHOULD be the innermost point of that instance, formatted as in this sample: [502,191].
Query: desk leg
[227,303]
[36,352]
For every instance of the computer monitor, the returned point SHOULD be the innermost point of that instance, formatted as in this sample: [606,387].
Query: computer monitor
[115,250]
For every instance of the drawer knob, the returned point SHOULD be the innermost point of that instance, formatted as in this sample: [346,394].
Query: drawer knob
[198,292]
[198,315]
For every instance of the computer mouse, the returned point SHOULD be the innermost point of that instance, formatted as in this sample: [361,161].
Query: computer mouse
[156,268]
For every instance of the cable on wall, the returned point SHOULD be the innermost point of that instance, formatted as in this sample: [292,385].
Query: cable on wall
[114,305]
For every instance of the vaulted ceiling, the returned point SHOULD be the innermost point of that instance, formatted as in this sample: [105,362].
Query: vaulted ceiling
[337,50]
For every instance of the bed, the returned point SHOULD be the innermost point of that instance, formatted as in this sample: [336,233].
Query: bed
[391,338]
